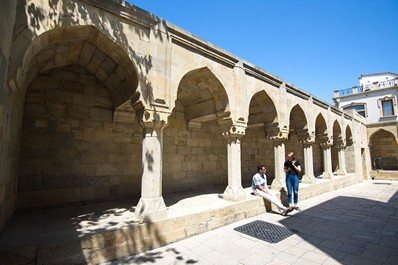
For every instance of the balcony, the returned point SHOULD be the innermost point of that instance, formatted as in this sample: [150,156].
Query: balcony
[360,89]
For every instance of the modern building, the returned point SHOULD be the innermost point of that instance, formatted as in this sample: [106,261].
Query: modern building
[376,100]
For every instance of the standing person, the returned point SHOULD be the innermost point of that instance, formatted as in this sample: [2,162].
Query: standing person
[260,188]
[292,168]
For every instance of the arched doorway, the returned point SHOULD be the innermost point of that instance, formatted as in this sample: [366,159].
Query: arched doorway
[337,141]
[384,150]
[320,137]
[75,147]
[298,131]
[195,152]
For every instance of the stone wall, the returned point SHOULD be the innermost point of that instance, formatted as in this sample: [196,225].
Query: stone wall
[193,158]
[256,150]
[72,150]
[349,161]
[384,175]
[8,139]
[318,159]
[335,159]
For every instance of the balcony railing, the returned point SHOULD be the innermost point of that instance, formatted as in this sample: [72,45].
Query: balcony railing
[360,89]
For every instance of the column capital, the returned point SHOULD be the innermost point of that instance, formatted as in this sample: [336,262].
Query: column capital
[234,130]
[340,147]
[309,140]
[326,142]
[154,119]
[276,133]
[306,136]
[326,145]
[339,143]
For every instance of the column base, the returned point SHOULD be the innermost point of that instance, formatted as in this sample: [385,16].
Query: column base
[277,185]
[150,209]
[308,179]
[327,175]
[234,194]
[341,172]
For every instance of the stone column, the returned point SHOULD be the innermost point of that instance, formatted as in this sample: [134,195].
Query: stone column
[309,176]
[234,190]
[307,139]
[151,206]
[327,161]
[341,154]
[280,157]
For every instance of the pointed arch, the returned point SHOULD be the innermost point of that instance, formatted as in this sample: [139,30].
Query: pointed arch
[76,80]
[337,132]
[298,122]
[379,131]
[348,135]
[383,150]
[320,126]
[194,134]
[88,48]
[202,96]
[262,110]
[257,146]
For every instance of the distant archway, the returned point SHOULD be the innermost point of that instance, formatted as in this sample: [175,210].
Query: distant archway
[383,150]
[320,137]
[337,140]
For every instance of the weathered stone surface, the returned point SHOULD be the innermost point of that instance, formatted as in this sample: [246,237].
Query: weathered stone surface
[66,119]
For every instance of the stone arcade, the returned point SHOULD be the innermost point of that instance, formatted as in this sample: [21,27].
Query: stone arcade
[100,100]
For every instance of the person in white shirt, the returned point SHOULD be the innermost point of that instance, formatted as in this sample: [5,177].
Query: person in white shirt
[260,188]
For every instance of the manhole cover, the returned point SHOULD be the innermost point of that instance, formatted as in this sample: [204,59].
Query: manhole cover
[265,231]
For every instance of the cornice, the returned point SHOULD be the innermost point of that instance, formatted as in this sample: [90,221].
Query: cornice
[125,11]
[182,38]
[261,75]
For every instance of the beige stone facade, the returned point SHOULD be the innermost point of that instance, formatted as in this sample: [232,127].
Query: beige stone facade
[102,101]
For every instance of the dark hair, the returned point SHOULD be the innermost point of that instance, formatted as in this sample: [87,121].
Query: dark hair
[260,167]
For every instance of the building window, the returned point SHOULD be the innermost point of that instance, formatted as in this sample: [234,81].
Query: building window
[360,108]
[387,107]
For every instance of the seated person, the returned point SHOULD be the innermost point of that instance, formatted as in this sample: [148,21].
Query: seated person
[260,188]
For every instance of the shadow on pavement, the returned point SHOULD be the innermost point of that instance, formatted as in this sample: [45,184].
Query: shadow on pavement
[351,230]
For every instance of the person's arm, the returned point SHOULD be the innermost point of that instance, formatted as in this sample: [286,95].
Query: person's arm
[298,167]
[263,189]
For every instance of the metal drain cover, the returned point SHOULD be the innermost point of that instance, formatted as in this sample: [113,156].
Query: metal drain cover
[265,231]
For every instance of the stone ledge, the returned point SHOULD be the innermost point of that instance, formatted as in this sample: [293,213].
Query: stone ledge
[104,244]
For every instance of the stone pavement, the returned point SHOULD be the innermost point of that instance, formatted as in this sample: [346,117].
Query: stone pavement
[354,225]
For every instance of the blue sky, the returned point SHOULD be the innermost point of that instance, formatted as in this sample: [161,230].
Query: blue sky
[319,46]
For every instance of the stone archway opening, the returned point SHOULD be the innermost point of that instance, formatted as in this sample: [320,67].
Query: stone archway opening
[383,150]
[257,147]
[321,137]
[349,151]
[298,132]
[337,141]
[80,141]
[194,149]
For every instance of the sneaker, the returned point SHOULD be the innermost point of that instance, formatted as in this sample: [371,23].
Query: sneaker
[297,208]
[284,212]
[288,210]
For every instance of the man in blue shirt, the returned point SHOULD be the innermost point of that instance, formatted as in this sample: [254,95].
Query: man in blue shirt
[260,188]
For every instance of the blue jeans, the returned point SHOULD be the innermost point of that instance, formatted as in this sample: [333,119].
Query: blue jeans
[292,183]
